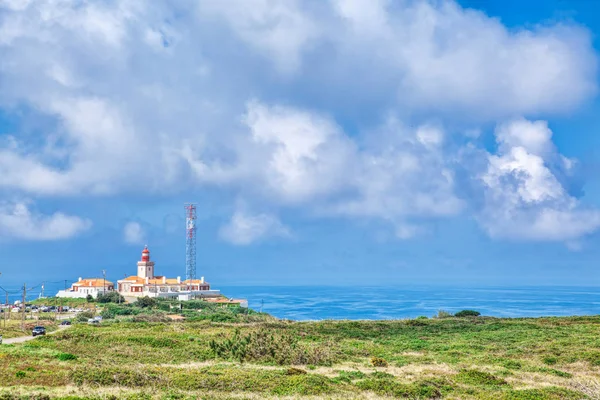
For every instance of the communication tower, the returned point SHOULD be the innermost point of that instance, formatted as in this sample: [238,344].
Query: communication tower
[190,241]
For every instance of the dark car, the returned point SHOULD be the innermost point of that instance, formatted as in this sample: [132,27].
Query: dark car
[65,323]
[38,330]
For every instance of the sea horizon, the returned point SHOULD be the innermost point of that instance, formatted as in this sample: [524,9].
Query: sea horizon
[385,302]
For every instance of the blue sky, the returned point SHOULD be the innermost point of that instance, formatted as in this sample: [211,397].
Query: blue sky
[325,142]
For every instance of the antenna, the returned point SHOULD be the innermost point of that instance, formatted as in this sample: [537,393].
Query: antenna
[190,241]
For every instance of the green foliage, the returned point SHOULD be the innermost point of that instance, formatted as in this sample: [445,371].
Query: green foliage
[467,313]
[378,362]
[547,393]
[89,298]
[512,364]
[272,347]
[549,360]
[145,302]
[295,371]
[66,357]
[84,316]
[20,374]
[173,359]
[475,377]
[110,297]
[442,314]
[556,372]
[390,387]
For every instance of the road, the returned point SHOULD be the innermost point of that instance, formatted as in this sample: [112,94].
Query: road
[22,339]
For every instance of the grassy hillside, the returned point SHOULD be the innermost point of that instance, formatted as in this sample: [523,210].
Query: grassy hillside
[453,358]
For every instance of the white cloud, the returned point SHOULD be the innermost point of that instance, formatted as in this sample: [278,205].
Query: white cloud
[524,199]
[307,155]
[279,29]
[133,233]
[17,221]
[244,228]
[150,96]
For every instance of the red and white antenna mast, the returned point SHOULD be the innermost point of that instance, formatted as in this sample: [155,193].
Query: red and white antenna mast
[190,241]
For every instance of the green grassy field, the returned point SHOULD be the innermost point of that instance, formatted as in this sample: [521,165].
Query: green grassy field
[454,358]
[13,327]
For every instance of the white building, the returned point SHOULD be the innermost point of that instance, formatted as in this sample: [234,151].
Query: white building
[84,287]
[145,283]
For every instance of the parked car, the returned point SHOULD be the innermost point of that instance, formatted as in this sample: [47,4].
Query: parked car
[93,321]
[38,330]
[65,323]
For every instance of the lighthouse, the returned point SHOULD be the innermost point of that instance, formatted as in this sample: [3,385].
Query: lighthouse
[145,266]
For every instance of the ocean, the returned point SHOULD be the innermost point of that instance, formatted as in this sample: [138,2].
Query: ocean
[355,303]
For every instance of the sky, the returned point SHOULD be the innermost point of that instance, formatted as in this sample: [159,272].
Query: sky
[335,142]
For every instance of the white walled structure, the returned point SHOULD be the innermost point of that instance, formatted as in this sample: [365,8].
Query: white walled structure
[84,287]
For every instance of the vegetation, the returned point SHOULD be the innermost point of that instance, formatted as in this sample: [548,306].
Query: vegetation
[110,297]
[13,328]
[257,356]
[467,313]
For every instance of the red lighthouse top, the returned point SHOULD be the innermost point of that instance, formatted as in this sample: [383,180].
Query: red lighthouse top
[146,254]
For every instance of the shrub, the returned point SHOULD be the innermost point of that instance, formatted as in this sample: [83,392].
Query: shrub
[416,322]
[442,314]
[20,374]
[66,356]
[378,362]
[145,302]
[475,377]
[389,387]
[264,345]
[84,316]
[110,297]
[295,371]
[467,313]
[549,360]
[89,298]
[154,317]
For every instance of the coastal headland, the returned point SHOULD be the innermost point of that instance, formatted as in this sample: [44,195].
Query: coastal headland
[150,351]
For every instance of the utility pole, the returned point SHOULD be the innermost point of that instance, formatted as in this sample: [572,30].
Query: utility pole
[6,309]
[104,284]
[23,305]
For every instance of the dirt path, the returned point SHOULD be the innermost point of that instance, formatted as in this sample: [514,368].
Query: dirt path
[22,339]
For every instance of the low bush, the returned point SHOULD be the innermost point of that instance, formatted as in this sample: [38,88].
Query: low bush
[84,316]
[295,371]
[378,362]
[153,317]
[390,387]
[475,377]
[66,357]
[442,314]
[145,302]
[110,297]
[467,313]
[280,348]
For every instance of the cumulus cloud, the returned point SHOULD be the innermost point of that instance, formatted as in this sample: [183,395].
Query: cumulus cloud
[150,96]
[244,228]
[133,233]
[17,221]
[524,199]
[307,155]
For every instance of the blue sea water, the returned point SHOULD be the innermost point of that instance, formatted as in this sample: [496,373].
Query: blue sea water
[356,302]
[319,302]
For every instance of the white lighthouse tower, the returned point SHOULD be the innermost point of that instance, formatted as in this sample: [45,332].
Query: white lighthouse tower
[145,266]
